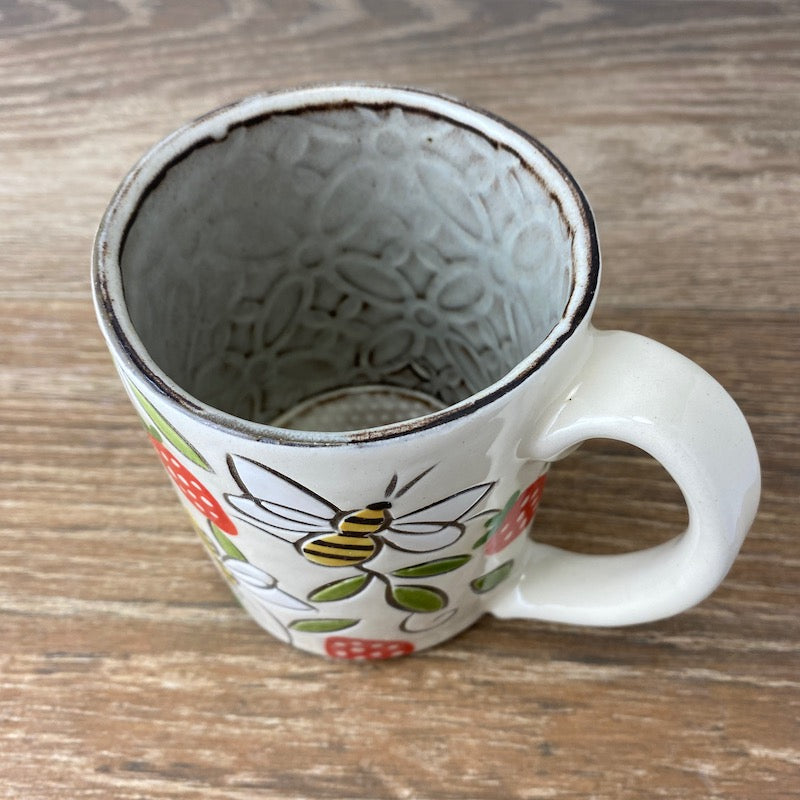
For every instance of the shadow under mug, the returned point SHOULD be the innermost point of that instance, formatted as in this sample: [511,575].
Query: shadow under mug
[355,321]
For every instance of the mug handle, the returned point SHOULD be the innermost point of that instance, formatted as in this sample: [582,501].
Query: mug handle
[636,390]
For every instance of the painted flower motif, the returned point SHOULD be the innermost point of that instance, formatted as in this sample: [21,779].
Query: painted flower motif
[260,586]
[252,583]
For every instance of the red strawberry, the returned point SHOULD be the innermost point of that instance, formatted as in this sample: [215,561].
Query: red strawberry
[517,520]
[193,490]
[366,649]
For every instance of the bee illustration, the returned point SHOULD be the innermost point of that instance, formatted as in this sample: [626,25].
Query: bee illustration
[331,537]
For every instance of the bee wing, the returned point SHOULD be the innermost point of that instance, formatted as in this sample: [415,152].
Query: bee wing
[274,519]
[444,512]
[279,493]
[424,538]
[437,525]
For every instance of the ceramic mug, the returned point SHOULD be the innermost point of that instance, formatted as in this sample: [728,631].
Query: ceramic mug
[356,323]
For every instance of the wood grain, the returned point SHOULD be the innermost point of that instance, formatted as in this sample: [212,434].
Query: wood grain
[127,670]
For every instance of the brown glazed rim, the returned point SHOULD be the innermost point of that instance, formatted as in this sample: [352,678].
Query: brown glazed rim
[214,127]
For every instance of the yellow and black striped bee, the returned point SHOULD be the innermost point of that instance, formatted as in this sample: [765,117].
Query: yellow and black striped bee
[355,542]
[331,537]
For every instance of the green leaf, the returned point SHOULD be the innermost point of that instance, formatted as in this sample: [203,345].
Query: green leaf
[491,579]
[485,537]
[493,523]
[322,625]
[170,434]
[153,431]
[438,567]
[226,544]
[339,590]
[423,599]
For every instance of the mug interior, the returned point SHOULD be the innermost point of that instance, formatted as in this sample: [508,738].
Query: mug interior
[352,244]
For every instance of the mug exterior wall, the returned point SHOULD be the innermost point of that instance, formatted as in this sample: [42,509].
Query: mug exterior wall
[395,602]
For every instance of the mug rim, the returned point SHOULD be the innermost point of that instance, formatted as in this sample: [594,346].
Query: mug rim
[214,126]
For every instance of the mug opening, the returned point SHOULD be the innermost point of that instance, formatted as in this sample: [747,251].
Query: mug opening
[300,244]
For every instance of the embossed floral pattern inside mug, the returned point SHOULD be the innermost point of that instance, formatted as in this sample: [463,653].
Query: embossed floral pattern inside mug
[344,246]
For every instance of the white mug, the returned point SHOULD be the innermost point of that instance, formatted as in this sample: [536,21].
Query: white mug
[356,323]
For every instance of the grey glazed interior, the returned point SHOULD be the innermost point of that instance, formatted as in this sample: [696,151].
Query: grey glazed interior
[348,246]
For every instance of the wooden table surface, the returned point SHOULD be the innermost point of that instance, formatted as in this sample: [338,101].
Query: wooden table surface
[126,668]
